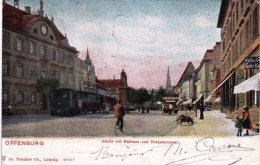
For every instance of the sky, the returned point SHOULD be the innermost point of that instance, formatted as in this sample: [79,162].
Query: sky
[143,37]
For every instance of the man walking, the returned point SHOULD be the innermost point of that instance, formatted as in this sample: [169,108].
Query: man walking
[119,112]
[201,112]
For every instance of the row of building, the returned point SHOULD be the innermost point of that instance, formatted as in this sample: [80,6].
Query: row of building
[228,75]
[33,50]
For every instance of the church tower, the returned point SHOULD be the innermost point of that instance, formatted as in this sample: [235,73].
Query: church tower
[168,81]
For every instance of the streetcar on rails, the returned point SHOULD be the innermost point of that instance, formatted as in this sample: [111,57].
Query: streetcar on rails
[68,102]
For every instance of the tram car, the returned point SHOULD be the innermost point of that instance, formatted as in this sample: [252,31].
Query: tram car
[67,102]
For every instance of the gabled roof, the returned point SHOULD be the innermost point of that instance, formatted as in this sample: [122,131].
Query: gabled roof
[111,83]
[18,19]
[189,63]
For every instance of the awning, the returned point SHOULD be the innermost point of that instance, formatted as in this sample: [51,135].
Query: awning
[210,98]
[220,85]
[250,84]
[217,100]
[188,102]
[198,99]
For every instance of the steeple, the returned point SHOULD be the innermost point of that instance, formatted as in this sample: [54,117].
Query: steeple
[168,81]
[88,60]
[41,11]
[87,57]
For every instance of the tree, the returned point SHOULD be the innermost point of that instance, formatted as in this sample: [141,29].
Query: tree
[138,96]
[160,94]
[47,84]
[43,86]
[142,96]
[132,95]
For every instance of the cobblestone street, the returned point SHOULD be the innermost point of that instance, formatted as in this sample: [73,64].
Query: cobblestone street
[154,124]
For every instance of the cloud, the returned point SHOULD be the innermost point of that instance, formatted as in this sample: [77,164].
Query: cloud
[90,28]
[203,21]
[152,21]
[134,34]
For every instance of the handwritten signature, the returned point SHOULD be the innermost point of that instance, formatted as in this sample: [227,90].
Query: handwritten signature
[205,149]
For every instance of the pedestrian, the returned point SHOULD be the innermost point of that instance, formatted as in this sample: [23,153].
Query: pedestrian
[201,111]
[196,109]
[119,112]
[189,107]
[147,109]
[170,109]
[239,124]
[9,110]
[247,125]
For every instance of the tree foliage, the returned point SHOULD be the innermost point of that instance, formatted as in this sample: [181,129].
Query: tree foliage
[47,84]
[162,93]
[138,96]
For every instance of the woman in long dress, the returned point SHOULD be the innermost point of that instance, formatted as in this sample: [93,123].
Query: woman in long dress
[246,120]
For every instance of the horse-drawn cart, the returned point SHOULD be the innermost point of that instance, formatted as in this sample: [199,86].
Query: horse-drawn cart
[184,118]
[169,105]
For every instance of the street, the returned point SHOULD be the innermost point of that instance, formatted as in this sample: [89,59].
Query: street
[153,124]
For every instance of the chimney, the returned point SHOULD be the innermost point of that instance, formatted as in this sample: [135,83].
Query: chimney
[28,9]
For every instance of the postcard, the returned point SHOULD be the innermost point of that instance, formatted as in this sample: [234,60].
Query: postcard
[158,82]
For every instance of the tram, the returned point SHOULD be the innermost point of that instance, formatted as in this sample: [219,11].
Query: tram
[67,102]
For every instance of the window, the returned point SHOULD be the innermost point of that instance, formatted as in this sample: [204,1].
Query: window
[62,58]
[247,33]
[19,97]
[19,70]
[33,97]
[109,90]
[241,42]
[5,68]
[53,74]
[70,78]
[19,44]
[62,78]
[69,59]
[43,51]
[6,40]
[53,55]
[117,90]
[32,48]
[33,72]
[5,97]
[255,22]
[43,75]
[89,67]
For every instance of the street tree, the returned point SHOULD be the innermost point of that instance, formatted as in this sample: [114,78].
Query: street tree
[44,86]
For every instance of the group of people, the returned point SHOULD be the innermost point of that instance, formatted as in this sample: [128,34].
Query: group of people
[243,122]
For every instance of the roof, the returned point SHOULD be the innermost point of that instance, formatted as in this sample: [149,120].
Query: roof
[111,83]
[189,63]
[222,13]
[18,19]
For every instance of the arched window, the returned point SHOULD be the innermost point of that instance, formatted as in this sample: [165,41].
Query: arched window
[109,90]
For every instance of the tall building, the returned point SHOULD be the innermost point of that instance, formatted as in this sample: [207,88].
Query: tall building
[33,49]
[239,23]
[185,85]
[168,81]
[89,75]
[207,71]
[117,88]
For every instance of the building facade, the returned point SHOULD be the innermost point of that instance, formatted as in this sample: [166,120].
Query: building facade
[207,71]
[239,23]
[184,87]
[89,76]
[33,49]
